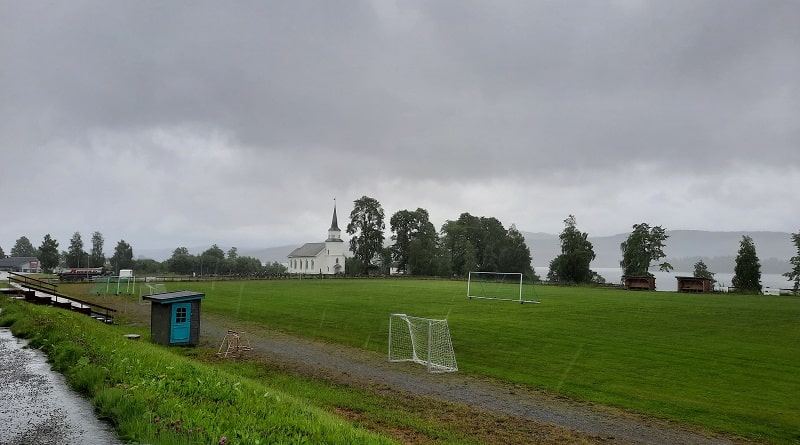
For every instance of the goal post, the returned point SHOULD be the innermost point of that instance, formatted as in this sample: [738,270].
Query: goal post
[504,286]
[421,340]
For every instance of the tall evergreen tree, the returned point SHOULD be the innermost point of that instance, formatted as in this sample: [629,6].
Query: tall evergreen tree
[643,246]
[2,254]
[48,254]
[366,230]
[76,256]
[794,274]
[96,257]
[123,256]
[701,271]
[747,272]
[577,253]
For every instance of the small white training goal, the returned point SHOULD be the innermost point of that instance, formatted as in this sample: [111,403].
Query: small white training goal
[504,286]
[151,289]
[421,340]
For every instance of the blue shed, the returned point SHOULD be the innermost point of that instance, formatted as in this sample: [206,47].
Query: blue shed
[175,318]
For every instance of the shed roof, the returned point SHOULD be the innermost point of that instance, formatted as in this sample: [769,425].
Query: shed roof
[308,250]
[173,297]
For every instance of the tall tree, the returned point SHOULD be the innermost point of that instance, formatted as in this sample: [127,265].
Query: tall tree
[96,257]
[23,248]
[48,254]
[123,256]
[181,262]
[701,271]
[76,256]
[483,244]
[747,271]
[366,229]
[794,274]
[643,246]
[407,226]
[2,254]
[516,255]
[212,261]
[577,253]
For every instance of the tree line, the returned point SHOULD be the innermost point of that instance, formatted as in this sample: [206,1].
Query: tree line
[213,261]
[469,243]
[645,246]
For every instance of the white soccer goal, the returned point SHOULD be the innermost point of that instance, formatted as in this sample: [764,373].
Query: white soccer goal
[151,289]
[421,340]
[505,286]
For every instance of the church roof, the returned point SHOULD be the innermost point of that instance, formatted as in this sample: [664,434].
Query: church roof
[308,250]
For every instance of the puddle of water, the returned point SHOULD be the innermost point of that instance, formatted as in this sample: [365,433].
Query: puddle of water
[37,406]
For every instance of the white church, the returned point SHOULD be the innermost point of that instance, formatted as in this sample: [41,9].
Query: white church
[326,258]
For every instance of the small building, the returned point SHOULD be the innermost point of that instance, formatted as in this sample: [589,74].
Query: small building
[175,318]
[325,258]
[644,282]
[694,284]
[20,264]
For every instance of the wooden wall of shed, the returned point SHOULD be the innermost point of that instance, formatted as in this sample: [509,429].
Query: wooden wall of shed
[160,323]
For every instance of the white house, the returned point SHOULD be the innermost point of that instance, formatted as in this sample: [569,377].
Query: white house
[326,258]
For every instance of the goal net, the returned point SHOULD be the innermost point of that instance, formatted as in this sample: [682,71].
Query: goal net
[151,289]
[421,340]
[505,286]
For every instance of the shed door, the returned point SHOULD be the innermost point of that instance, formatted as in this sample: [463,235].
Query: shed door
[181,323]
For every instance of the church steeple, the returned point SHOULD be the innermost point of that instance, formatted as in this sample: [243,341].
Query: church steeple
[334,233]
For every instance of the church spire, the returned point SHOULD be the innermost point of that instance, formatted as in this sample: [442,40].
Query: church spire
[334,223]
[334,233]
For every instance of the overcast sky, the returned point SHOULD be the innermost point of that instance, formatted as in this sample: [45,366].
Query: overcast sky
[192,123]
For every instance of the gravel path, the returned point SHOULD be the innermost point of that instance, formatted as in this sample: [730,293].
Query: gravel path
[358,367]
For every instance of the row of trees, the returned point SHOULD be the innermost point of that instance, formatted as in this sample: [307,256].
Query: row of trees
[469,243]
[643,247]
[211,262]
[75,256]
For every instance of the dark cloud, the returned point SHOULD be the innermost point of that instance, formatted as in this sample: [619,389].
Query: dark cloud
[577,105]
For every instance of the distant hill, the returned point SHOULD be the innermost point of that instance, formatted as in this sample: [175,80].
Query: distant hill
[683,248]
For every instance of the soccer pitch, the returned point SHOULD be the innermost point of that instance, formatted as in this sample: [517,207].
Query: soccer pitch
[723,362]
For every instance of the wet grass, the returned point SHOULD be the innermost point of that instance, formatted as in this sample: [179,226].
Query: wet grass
[725,363]
[153,395]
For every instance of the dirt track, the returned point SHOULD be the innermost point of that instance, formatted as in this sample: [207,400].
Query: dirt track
[360,368]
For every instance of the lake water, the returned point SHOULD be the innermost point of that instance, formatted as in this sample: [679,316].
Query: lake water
[37,406]
[665,281]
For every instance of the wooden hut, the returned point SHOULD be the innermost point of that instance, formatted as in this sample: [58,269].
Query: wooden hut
[694,284]
[639,282]
[175,318]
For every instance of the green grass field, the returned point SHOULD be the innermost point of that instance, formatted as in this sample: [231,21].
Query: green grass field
[727,363]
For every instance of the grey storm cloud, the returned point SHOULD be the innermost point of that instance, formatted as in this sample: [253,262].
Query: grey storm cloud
[547,95]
